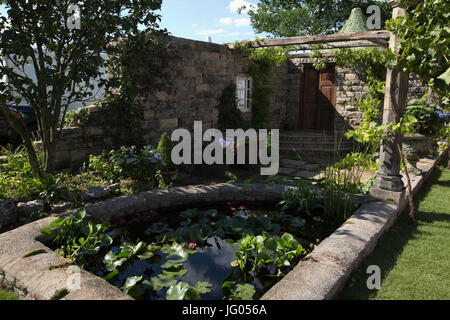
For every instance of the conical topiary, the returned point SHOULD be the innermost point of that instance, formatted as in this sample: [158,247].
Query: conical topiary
[357,22]
[165,149]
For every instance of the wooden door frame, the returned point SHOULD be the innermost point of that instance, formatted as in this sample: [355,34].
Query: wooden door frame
[302,93]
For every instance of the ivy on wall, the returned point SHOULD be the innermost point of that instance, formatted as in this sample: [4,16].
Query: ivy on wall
[129,85]
[230,117]
[262,62]
[370,64]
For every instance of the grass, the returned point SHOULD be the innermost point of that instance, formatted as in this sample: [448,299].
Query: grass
[7,295]
[414,258]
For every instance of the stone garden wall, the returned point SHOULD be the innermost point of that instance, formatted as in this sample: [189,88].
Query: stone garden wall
[198,73]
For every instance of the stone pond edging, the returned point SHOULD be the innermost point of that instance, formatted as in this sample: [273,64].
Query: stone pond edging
[36,272]
[324,272]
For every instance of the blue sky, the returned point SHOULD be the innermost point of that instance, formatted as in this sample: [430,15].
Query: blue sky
[198,19]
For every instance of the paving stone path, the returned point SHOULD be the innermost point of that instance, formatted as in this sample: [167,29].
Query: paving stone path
[297,168]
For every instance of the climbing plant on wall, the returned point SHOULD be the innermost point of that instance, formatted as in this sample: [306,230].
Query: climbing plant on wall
[262,62]
[370,65]
[230,117]
[424,45]
[137,69]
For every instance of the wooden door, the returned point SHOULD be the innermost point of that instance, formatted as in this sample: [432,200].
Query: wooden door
[317,98]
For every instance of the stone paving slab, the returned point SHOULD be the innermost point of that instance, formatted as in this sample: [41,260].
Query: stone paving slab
[290,163]
[311,167]
[308,175]
[287,171]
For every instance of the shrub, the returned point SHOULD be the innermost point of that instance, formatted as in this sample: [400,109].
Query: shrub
[430,117]
[128,162]
[165,147]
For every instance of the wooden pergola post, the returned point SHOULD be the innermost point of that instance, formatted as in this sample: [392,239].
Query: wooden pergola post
[388,183]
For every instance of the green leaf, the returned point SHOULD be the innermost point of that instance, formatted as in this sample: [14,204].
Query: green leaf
[111,275]
[162,281]
[146,255]
[243,292]
[46,231]
[445,76]
[203,287]
[57,223]
[178,291]
[80,214]
[178,271]
[107,241]
[131,282]
[176,255]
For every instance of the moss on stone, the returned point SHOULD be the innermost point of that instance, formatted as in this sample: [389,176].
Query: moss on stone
[33,252]
[59,294]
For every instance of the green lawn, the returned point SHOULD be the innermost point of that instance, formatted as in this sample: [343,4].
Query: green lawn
[7,295]
[414,259]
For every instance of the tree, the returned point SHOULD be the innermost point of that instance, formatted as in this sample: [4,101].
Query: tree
[65,57]
[290,18]
[424,46]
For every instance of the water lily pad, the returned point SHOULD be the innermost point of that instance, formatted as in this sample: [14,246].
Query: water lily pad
[162,281]
[177,291]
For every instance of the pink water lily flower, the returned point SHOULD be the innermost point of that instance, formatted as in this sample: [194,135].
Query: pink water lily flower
[192,245]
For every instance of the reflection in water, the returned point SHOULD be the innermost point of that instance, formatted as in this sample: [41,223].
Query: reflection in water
[210,264]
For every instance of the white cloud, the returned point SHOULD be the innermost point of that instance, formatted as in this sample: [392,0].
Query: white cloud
[210,32]
[235,5]
[233,34]
[226,21]
[195,25]
[242,22]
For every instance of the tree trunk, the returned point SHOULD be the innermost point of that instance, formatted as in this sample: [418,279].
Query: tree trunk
[412,208]
[49,165]
[32,157]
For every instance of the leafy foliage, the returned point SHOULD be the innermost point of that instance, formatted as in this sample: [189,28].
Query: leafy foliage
[230,117]
[238,291]
[77,237]
[64,58]
[303,199]
[254,252]
[424,43]
[430,118]
[262,61]
[306,17]
[128,162]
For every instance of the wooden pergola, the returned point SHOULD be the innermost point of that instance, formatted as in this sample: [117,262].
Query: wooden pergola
[376,38]
[388,184]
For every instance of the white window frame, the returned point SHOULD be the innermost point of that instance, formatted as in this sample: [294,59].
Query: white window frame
[244,86]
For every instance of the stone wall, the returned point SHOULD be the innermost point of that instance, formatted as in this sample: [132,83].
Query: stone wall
[198,74]
[349,90]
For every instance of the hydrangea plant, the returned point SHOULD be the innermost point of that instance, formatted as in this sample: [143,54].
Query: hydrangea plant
[431,118]
[128,162]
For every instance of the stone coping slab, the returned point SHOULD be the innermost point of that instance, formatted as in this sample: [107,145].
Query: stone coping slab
[324,272]
[28,267]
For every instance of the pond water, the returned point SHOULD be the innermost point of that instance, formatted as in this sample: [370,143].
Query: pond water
[201,233]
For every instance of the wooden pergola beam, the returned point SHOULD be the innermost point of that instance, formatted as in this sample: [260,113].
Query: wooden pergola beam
[375,35]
